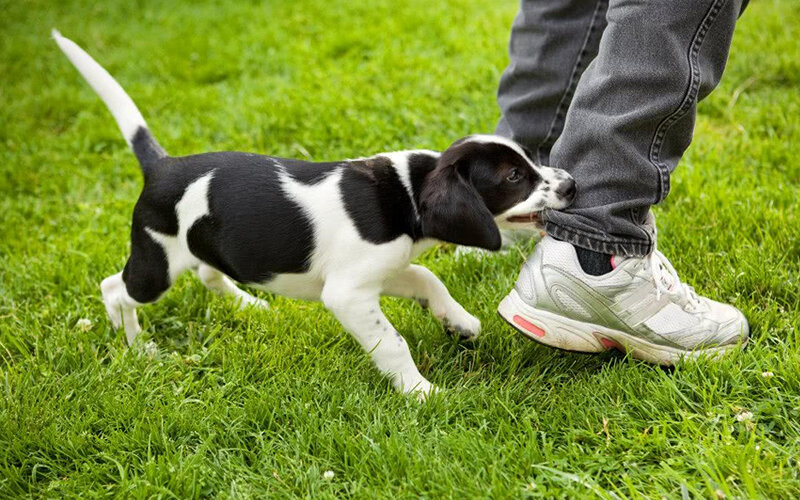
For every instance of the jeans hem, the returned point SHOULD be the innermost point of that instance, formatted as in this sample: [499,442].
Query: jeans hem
[599,243]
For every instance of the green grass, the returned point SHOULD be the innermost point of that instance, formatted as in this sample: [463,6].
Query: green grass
[263,403]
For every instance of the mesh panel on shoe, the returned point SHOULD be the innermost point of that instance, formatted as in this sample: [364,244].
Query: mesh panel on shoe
[571,306]
[524,284]
[560,256]
[671,318]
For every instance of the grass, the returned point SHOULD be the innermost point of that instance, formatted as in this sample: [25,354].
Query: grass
[263,403]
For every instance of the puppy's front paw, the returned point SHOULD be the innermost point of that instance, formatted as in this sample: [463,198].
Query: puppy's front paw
[415,385]
[463,324]
[250,301]
[424,390]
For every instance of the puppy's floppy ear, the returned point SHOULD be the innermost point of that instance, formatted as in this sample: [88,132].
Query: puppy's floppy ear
[450,207]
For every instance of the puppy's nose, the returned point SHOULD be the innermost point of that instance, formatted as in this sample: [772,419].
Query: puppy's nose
[566,190]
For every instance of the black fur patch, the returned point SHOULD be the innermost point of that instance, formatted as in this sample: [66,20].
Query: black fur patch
[146,275]
[377,202]
[254,230]
[419,166]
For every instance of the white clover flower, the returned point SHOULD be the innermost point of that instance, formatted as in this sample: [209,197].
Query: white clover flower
[151,349]
[84,324]
[328,474]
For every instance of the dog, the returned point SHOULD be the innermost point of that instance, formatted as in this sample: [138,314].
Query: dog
[341,232]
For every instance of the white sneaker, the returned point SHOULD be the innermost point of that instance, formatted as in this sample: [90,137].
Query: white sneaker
[640,307]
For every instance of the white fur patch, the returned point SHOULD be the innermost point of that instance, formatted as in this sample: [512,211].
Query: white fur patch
[192,206]
[400,162]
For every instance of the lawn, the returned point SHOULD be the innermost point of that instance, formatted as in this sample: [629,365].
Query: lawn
[263,403]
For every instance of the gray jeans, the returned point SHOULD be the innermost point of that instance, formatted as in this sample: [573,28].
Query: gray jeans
[608,90]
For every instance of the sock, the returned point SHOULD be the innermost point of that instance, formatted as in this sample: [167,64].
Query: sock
[594,263]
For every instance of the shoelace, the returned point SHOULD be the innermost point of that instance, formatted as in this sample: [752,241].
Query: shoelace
[667,280]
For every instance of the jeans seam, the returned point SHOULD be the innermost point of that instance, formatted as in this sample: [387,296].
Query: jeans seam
[689,98]
[563,104]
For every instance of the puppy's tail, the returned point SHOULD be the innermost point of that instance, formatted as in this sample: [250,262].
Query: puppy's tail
[128,117]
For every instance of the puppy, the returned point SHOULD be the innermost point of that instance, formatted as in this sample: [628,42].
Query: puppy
[341,232]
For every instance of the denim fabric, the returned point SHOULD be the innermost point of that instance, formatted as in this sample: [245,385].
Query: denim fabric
[608,90]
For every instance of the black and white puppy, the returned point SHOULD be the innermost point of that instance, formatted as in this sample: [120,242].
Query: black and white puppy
[341,232]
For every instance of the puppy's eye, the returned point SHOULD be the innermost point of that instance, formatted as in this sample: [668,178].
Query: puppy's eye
[514,176]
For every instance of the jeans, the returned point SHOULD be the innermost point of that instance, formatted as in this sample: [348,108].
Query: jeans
[608,90]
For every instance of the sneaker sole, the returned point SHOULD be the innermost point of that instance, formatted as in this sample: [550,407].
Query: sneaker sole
[568,334]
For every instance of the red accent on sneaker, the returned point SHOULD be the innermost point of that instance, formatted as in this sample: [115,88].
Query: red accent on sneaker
[610,344]
[529,326]
[613,265]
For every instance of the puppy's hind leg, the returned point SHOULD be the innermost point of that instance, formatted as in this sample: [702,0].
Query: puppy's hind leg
[223,285]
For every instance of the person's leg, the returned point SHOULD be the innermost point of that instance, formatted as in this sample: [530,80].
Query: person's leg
[631,119]
[633,114]
[551,44]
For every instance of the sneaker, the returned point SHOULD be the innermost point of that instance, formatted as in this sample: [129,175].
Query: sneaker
[640,307]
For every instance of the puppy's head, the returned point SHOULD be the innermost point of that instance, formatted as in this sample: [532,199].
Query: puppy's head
[483,181]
